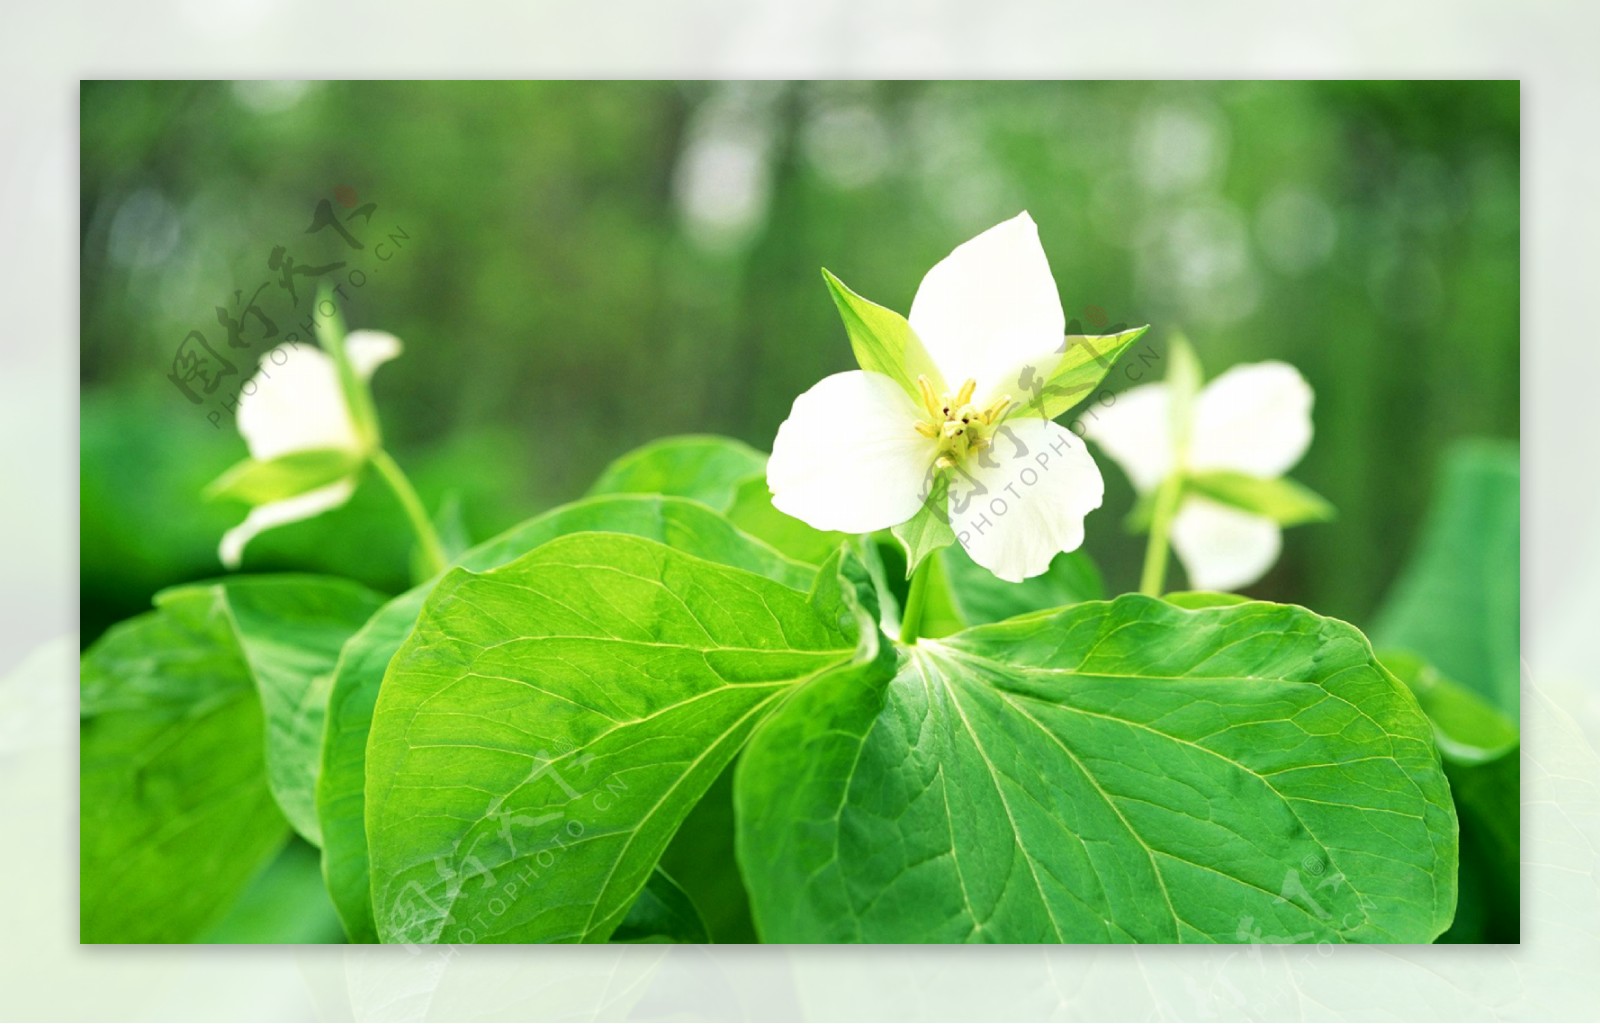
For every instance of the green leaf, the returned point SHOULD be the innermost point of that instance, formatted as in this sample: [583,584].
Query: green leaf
[175,817]
[702,861]
[286,903]
[662,913]
[290,629]
[549,724]
[341,803]
[929,530]
[981,597]
[1468,729]
[1283,501]
[883,341]
[1482,758]
[1123,771]
[752,511]
[259,483]
[1085,360]
[706,468]
[1457,604]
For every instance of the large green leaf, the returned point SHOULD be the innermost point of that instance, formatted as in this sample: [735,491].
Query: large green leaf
[1123,771]
[704,467]
[290,630]
[882,340]
[1457,603]
[753,512]
[175,817]
[549,724]
[341,802]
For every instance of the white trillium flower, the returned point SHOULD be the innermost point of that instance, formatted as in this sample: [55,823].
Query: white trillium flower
[296,405]
[858,453]
[1254,419]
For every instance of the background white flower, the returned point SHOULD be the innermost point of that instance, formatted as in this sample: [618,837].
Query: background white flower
[297,405]
[1254,419]
[859,451]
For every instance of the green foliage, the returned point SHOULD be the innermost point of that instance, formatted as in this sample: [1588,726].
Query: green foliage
[1482,758]
[1112,772]
[708,469]
[980,598]
[629,720]
[662,913]
[1453,621]
[223,689]
[752,511]
[1458,602]
[286,903]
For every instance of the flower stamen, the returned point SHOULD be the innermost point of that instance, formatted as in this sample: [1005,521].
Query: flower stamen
[959,427]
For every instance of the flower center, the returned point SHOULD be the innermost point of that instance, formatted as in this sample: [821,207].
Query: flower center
[959,426]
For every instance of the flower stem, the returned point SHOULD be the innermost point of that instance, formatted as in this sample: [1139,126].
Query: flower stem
[1154,579]
[916,601]
[433,558]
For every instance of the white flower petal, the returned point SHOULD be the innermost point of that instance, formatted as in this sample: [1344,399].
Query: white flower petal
[1025,503]
[991,307]
[369,350]
[294,403]
[849,457]
[278,513]
[1254,418]
[1223,548]
[1136,431]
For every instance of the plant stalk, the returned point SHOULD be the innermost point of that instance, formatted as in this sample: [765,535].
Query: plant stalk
[434,560]
[916,601]
[1154,578]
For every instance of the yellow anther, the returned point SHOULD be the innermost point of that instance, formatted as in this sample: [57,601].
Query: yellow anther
[965,394]
[927,429]
[996,410]
[929,400]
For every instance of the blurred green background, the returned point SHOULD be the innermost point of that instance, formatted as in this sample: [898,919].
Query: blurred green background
[577,268]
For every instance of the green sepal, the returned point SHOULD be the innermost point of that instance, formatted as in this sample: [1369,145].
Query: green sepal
[1282,501]
[928,530]
[262,481]
[883,341]
[1085,361]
